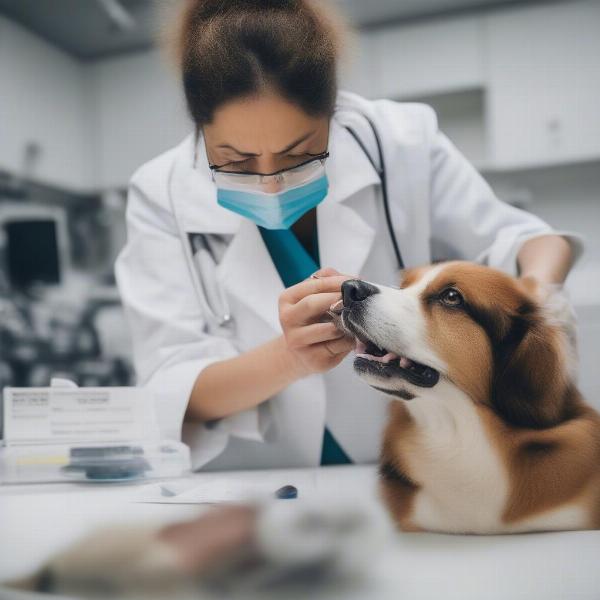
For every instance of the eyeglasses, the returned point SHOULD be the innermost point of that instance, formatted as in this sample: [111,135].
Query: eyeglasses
[290,177]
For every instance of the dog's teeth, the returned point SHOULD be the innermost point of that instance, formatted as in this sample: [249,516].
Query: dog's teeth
[405,363]
[360,347]
[390,356]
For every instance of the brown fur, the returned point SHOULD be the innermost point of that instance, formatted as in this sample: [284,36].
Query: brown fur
[510,360]
[551,467]
[397,487]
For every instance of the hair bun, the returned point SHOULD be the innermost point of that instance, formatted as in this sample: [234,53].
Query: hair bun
[221,6]
[228,49]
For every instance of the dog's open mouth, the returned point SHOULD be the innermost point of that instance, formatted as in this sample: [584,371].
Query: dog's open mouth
[380,362]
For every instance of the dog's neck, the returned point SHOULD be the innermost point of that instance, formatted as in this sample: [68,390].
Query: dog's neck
[443,413]
[450,456]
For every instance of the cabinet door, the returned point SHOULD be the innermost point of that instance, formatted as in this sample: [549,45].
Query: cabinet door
[426,58]
[544,84]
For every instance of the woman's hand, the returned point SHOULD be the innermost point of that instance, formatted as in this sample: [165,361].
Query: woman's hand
[314,344]
[310,344]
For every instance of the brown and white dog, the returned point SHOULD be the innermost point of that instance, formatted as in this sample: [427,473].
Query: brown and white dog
[488,433]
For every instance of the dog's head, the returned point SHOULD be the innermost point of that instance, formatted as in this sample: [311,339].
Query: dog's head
[465,325]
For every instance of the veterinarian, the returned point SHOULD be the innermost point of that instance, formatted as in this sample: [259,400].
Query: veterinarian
[284,176]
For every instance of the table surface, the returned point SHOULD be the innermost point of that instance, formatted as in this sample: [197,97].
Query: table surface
[38,520]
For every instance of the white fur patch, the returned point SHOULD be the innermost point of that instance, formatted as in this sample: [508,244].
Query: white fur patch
[465,485]
[464,481]
[565,518]
[395,320]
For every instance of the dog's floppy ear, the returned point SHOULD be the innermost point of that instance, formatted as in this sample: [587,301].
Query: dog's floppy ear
[530,380]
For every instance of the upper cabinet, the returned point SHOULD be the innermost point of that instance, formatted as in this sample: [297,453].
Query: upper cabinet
[543,85]
[536,70]
[443,56]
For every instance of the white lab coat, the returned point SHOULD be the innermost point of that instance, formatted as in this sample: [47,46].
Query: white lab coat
[441,208]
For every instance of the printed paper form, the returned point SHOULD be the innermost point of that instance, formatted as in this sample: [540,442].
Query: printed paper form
[76,415]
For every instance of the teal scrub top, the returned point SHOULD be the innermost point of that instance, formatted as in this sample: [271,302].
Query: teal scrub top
[295,263]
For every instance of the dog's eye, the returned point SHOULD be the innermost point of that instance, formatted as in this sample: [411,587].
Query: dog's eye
[451,297]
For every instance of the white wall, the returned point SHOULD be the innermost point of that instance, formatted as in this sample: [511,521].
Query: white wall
[95,123]
[568,198]
[42,100]
[138,112]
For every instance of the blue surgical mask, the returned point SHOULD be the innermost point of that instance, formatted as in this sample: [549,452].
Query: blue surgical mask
[275,210]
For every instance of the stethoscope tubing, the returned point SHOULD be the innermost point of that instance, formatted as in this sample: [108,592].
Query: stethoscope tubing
[381,172]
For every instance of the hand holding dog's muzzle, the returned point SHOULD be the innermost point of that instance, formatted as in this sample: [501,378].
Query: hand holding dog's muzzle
[315,344]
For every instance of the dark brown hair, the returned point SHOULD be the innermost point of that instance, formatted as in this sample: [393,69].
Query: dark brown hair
[229,49]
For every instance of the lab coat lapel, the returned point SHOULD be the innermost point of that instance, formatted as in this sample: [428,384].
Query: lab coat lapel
[246,270]
[249,275]
[345,236]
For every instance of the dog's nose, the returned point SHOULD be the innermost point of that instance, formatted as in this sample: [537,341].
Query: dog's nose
[355,290]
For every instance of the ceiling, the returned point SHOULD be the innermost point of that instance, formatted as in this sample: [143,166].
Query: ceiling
[92,29]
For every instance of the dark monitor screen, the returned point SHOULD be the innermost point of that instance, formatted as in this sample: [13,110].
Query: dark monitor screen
[32,252]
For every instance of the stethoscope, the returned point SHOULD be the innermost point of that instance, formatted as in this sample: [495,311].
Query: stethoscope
[201,261]
[380,170]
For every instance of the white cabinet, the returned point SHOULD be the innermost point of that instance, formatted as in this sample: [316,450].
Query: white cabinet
[544,84]
[444,55]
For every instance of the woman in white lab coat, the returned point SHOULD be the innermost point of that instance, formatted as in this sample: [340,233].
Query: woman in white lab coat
[219,341]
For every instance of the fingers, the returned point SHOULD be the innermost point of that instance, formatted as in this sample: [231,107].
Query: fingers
[329,272]
[317,346]
[313,307]
[308,310]
[325,272]
[313,286]
[341,345]
[312,334]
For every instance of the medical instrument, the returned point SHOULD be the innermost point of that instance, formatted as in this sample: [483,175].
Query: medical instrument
[206,264]
[287,492]
[107,463]
[202,269]
[67,433]
[64,463]
[202,272]
[380,170]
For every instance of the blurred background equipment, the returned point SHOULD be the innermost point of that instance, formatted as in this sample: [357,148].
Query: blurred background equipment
[87,97]
[35,244]
[57,319]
